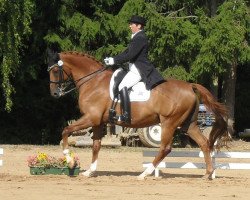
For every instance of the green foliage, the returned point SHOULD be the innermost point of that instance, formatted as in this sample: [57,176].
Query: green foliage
[175,42]
[176,73]
[186,43]
[177,7]
[15,18]
[224,40]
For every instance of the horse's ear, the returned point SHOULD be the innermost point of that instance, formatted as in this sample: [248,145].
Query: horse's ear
[52,54]
[52,57]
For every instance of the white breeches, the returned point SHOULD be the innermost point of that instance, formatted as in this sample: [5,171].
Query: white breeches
[131,78]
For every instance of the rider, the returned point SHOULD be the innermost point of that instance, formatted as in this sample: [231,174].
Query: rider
[140,67]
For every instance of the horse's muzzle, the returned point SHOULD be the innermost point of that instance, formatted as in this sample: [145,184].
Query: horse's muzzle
[56,93]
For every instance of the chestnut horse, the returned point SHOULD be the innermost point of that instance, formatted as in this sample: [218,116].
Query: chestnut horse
[173,104]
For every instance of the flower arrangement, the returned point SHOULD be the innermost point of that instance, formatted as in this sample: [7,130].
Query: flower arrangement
[47,161]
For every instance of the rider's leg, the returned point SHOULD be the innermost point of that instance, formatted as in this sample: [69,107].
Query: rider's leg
[125,104]
[119,75]
[131,78]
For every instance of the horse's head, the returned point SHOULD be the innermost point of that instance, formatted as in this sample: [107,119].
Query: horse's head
[60,77]
[70,70]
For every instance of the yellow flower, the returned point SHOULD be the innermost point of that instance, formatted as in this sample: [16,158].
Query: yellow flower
[42,156]
[45,160]
[72,155]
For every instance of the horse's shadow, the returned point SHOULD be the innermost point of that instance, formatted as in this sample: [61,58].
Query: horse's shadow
[115,173]
[129,173]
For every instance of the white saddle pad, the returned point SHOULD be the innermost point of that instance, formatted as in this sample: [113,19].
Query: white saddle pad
[137,93]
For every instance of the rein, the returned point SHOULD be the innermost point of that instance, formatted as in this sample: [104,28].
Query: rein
[63,85]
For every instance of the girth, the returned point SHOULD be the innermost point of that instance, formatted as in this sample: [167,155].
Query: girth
[117,80]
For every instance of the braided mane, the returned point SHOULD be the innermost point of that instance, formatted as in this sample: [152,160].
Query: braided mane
[75,53]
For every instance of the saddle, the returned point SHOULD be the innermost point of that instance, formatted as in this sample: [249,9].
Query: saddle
[136,93]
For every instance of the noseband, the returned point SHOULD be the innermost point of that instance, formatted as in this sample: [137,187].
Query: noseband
[69,84]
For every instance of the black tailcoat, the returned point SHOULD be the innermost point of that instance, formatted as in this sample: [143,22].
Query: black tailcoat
[137,53]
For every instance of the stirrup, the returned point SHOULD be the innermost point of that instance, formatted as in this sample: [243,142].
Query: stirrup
[125,118]
[112,116]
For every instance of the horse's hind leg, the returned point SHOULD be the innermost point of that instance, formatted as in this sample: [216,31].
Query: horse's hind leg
[195,133]
[165,149]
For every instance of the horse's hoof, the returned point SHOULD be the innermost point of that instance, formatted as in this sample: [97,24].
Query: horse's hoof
[88,173]
[208,176]
[141,177]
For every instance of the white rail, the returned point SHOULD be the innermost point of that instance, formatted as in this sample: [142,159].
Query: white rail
[198,154]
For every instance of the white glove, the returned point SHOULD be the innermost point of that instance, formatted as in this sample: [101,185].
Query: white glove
[109,61]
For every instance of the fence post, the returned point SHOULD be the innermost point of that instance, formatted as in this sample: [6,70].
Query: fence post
[1,153]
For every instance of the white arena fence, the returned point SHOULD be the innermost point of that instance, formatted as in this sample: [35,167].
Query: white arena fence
[242,160]
[1,153]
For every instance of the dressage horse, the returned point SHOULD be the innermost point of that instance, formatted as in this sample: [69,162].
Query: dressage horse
[173,104]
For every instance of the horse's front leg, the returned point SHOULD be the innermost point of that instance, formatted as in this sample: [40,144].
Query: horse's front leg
[80,124]
[97,136]
[66,152]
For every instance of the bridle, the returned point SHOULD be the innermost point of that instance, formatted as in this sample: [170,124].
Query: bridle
[67,85]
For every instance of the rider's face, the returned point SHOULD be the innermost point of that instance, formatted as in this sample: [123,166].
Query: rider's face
[134,27]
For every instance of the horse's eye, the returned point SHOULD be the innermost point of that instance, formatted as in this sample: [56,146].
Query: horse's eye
[55,72]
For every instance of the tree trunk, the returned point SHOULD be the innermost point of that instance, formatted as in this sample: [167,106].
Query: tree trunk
[228,95]
[213,7]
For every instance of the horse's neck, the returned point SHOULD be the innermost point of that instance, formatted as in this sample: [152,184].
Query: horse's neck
[82,68]
[98,84]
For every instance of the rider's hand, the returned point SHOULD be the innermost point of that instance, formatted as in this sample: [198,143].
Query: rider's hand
[109,61]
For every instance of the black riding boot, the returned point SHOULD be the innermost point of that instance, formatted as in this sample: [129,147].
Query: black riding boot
[125,104]
[112,113]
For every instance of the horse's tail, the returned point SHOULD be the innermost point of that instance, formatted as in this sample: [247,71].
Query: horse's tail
[219,131]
